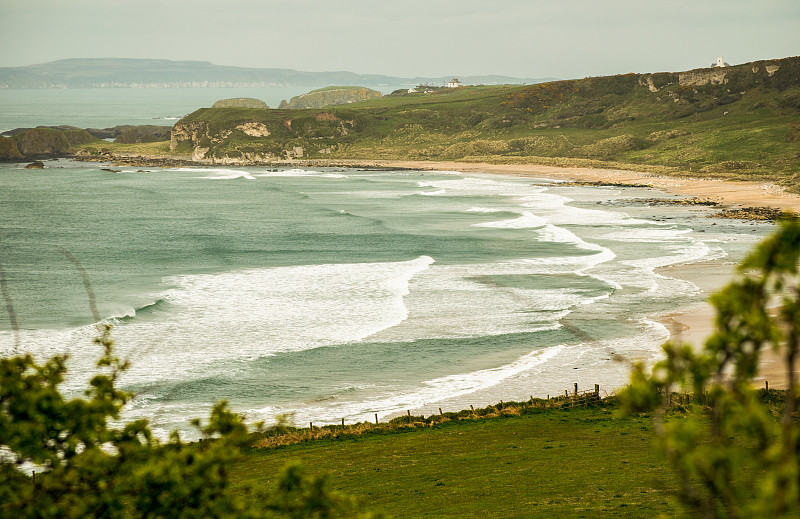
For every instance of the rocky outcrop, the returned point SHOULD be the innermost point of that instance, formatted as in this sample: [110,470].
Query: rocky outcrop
[330,96]
[38,164]
[714,76]
[254,129]
[240,102]
[50,142]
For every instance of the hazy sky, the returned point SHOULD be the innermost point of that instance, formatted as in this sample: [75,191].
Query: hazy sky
[524,38]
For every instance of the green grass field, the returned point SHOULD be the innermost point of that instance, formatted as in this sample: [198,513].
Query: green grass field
[556,463]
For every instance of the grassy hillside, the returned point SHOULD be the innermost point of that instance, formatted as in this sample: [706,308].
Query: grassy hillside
[736,122]
[578,463]
[557,464]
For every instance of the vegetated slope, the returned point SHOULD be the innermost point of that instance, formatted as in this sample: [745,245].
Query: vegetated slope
[737,122]
[330,96]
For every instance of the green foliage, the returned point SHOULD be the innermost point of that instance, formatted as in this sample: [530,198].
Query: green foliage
[734,457]
[88,468]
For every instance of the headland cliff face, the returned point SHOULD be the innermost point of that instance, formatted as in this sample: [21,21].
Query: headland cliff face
[232,136]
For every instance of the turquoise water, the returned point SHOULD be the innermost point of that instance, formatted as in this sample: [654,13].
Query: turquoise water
[341,293]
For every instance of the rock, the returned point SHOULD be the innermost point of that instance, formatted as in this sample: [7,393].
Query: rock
[38,164]
[765,214]
[240,102]
[330,96]
[50,142]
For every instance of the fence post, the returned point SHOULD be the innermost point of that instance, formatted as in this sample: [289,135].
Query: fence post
[576,389]
[342,423]
[409,416]
[597,390]
[440,412]
[766,385]
[376,418]
[311,426]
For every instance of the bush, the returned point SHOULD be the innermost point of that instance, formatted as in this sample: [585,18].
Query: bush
[732,456]
[91,469]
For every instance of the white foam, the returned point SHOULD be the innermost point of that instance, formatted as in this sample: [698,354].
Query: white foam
[438,192]
[301,173]
[648,235]
[483,210]
[219,173]
[525,221]
[430,391]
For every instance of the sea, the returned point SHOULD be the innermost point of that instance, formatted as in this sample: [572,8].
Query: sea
[108,107]
[322,294]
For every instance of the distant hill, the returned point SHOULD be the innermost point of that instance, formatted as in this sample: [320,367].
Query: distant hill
[330,96]
[157,73]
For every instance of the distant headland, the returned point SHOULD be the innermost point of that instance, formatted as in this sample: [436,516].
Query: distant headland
[160,73]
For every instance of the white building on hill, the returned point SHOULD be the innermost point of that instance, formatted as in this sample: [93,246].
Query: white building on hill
[455,83]
[720,63]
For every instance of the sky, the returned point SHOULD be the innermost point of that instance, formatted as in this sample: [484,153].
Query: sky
[408,38]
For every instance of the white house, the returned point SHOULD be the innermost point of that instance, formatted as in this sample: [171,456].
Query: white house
[455,83]
[720,63]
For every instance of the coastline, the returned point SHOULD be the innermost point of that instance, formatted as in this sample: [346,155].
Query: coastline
[727,192]
[692,325]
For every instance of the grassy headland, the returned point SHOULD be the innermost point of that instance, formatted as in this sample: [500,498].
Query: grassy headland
[740,122]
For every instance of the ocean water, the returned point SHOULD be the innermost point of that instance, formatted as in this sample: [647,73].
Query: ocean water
[107,107]
[341,293]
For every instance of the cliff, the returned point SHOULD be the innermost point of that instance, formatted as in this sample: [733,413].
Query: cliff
[49,142]
[330,96]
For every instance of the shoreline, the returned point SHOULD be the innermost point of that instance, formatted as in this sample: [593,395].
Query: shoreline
[727,192]
[693,325]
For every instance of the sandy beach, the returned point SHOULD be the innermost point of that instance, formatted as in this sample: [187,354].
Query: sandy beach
[695,325]
[732,193]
